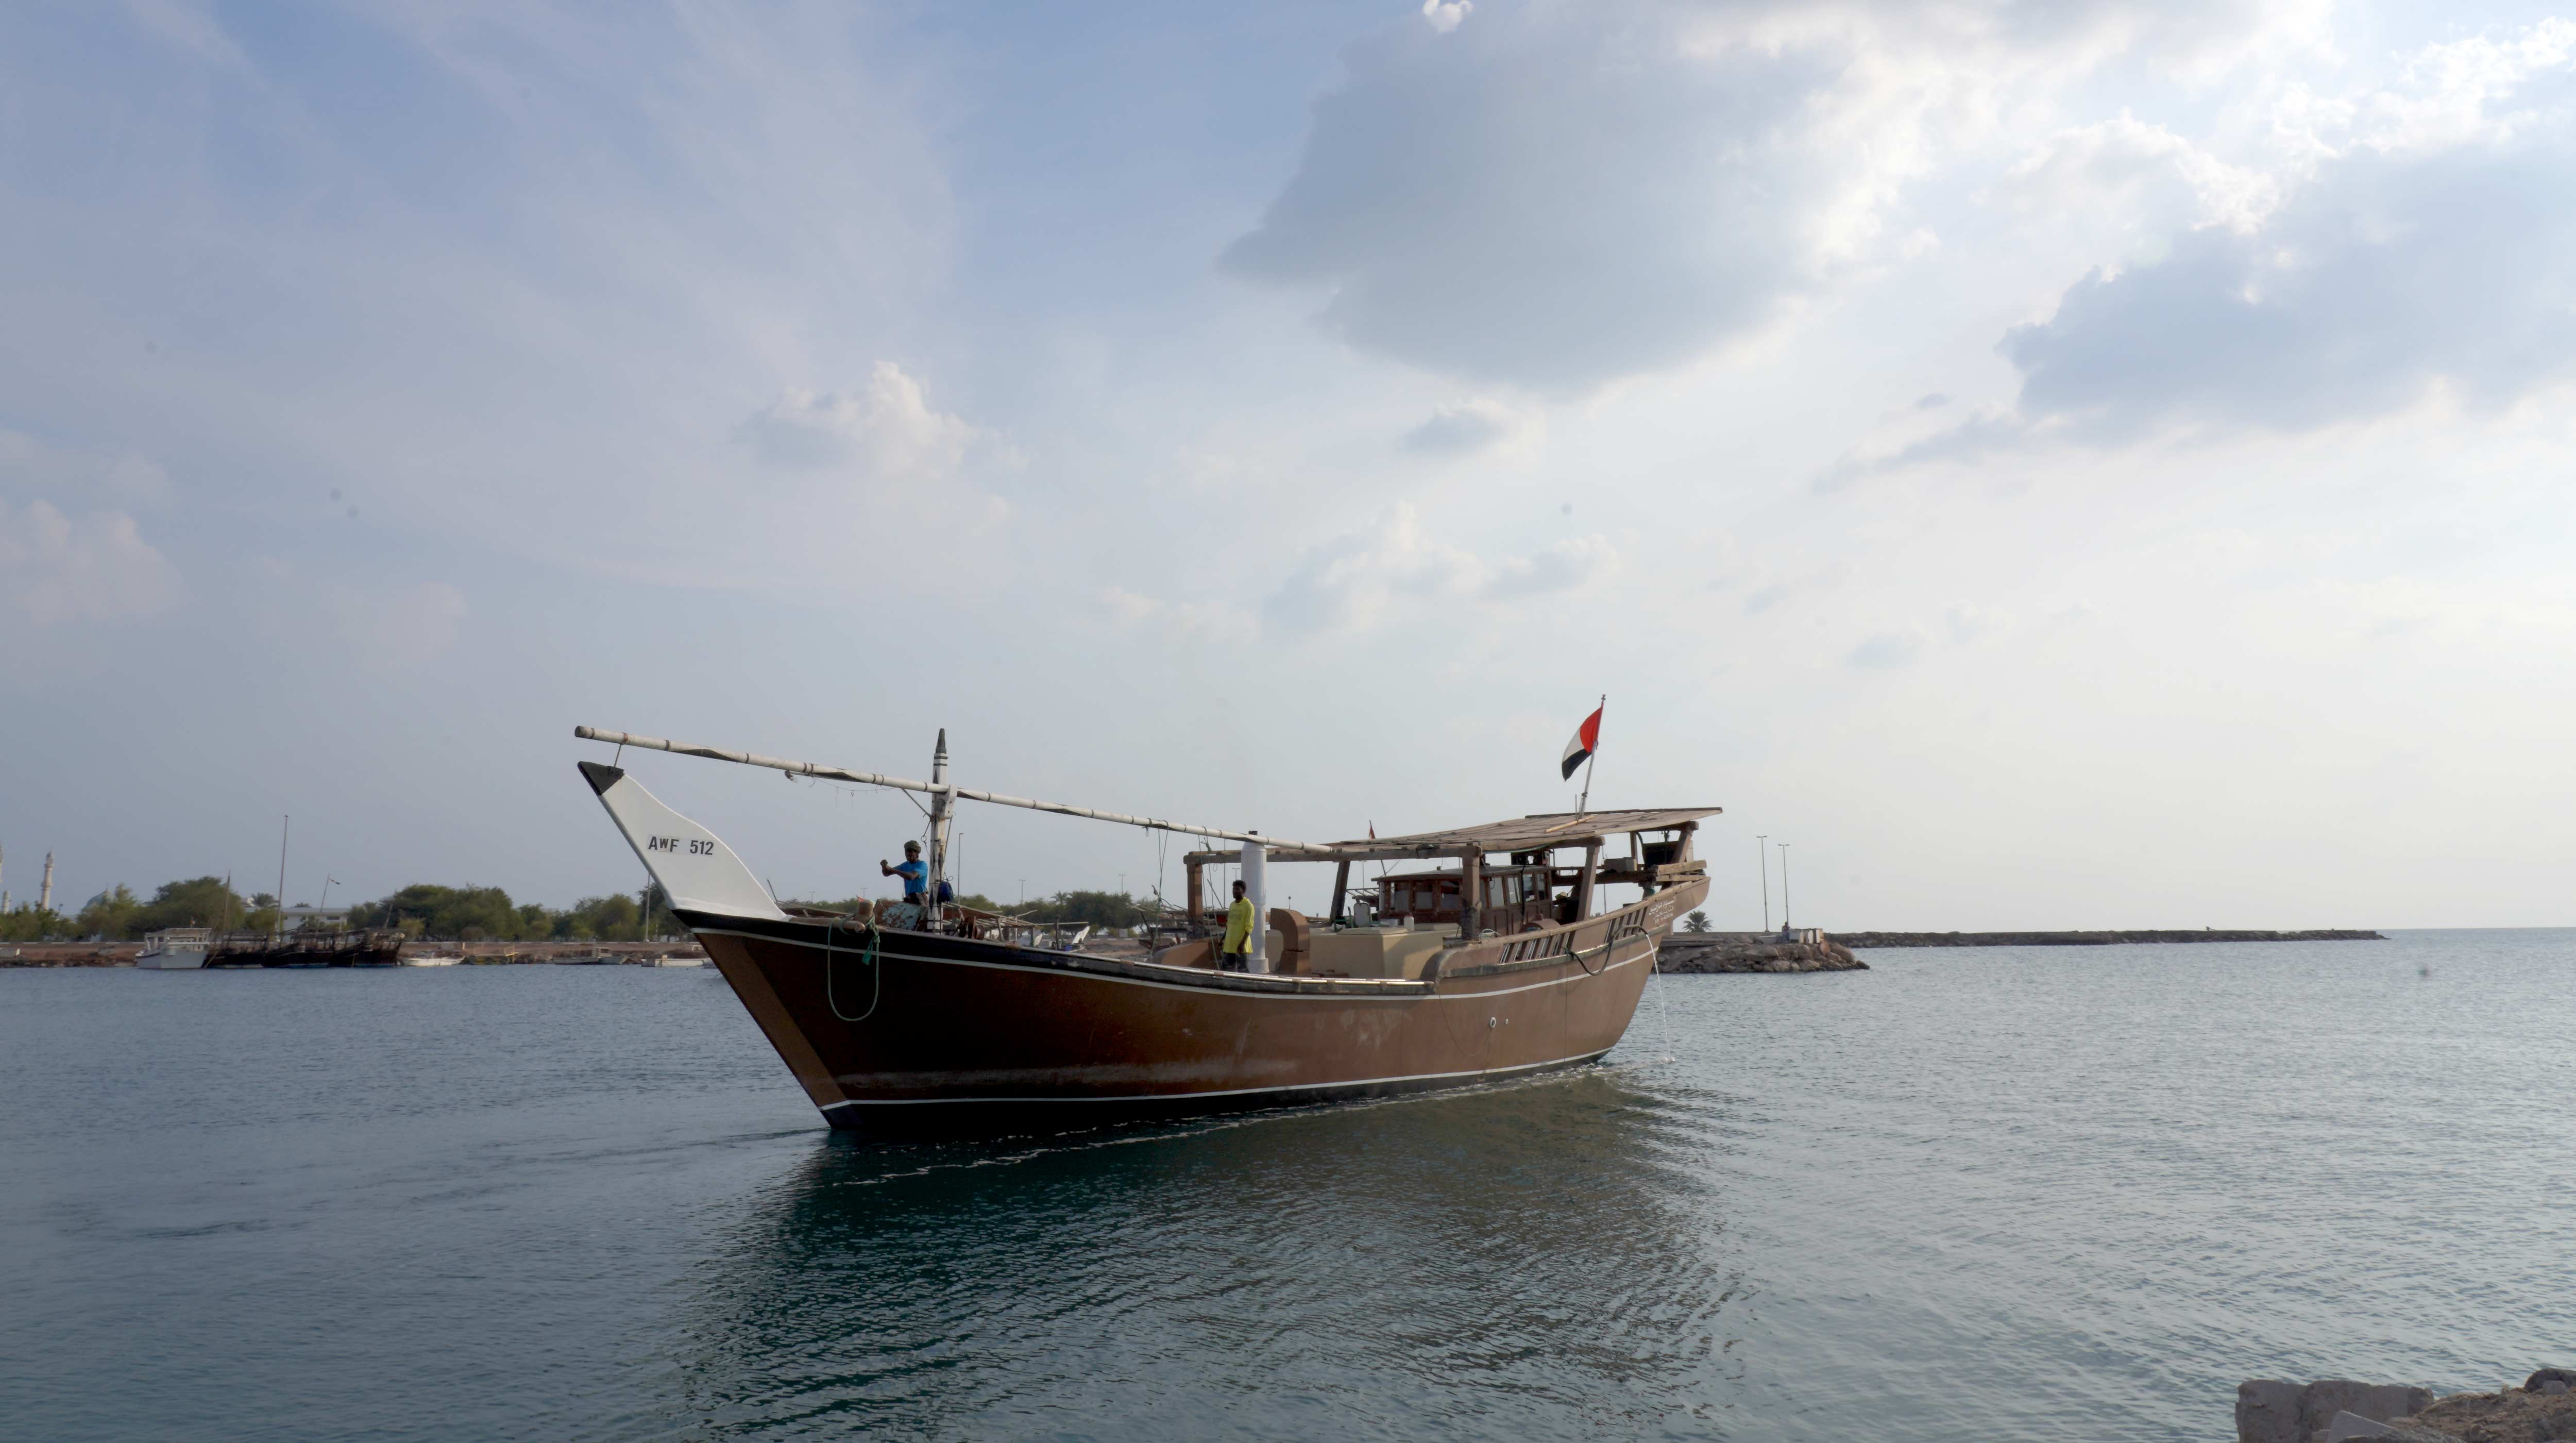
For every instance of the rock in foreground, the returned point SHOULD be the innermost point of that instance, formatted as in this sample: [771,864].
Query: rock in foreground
[2335,1410]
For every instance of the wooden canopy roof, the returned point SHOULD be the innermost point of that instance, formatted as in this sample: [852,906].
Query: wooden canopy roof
[1533,833]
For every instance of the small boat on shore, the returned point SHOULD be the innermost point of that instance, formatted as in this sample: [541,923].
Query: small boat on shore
[430,959]
[176,949]
[910,1018]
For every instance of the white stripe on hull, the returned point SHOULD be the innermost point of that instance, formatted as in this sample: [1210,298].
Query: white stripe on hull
[1232,1091]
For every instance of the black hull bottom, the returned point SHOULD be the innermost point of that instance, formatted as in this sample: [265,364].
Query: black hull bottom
[915,1121]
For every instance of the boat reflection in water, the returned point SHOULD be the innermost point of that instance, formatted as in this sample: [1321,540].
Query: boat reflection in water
[1521,1260]
[945,1020]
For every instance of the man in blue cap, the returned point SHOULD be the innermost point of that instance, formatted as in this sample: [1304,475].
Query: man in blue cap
[915,873]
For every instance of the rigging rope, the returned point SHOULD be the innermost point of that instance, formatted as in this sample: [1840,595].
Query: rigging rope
[871,957]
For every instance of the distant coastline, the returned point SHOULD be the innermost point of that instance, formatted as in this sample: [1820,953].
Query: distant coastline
[2096,939]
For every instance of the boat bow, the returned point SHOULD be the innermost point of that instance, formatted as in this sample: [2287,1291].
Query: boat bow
[696,870]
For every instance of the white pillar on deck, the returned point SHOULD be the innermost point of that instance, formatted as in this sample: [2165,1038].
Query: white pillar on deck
[1256,889]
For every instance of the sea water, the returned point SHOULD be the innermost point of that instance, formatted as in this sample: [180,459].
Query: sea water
[2011,1194]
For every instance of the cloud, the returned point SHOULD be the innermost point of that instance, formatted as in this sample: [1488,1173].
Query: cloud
[30,467]
[1886,651]
[2418,252]
[2145,172]
[1552,200]
[1558,196]
[56,569]
[1469,428]
[1189,620]
[1348,583]
[1568,564]
[886,429]
[1446,15]
[1352,582]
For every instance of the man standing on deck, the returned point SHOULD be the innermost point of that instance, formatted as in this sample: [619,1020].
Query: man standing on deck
[1234,956]
[915,873]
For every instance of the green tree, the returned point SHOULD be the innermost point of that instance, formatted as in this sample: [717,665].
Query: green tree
[465,914]
[110,914]
[263,914]
[1695,922]
[1100,909]
[28,922]
[197,902]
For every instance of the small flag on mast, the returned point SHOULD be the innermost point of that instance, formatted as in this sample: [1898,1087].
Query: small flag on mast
[1587,737]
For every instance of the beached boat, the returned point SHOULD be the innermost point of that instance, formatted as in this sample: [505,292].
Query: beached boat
[910,1018]
[306,947]
[430,959]
[177,949]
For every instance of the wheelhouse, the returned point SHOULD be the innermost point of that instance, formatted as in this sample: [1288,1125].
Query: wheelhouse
[1515,898]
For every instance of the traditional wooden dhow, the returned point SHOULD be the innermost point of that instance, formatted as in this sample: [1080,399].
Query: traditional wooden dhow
[943,1018]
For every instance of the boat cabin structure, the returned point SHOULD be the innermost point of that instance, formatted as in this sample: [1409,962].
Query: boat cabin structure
[1535,871]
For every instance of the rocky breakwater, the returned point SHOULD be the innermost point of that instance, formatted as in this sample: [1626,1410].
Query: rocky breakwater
[1757,952]
[2103,939]
[2338,1410]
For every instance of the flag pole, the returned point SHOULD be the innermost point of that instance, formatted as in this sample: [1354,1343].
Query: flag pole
[1584,808]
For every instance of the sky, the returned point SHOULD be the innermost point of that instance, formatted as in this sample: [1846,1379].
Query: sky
[2050,465]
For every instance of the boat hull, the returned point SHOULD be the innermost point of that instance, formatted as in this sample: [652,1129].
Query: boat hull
[905,1032]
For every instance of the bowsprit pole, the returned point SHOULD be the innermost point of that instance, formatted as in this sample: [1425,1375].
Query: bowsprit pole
[1583,808]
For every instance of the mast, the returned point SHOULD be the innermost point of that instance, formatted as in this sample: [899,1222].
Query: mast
[1584,807]
[285,825]
[939,806]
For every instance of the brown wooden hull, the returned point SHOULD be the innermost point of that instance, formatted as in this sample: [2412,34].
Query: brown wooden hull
[912,1032]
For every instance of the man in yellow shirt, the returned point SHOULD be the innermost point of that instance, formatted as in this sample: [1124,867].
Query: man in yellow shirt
[1235,954]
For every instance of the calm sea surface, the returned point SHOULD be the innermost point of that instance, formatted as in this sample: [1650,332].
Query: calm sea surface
[2044,1194]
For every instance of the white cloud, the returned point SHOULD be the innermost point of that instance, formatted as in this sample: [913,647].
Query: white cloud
[1188,620]
[97,567]
[1348,583]
[1575,562]
[1353,582]
[1446,15]
[1477,427]
[30,467]
[1562,195]
[885,429]
[2154,176]
[1887,651]
[2426,242]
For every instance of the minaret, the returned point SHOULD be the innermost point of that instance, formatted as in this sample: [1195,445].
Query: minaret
[45,898]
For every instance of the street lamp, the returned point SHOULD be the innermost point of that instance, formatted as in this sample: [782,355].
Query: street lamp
[1784,887]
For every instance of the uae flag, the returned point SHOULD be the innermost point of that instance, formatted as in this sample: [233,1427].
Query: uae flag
[1586,738]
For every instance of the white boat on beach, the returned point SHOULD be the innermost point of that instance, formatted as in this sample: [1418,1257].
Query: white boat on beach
[430,959]
[179,949]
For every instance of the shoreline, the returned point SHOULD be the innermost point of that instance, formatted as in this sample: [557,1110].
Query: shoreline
[2100,939]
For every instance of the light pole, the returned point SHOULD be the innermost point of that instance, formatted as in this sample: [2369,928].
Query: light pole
[1762,864]
[1784,886]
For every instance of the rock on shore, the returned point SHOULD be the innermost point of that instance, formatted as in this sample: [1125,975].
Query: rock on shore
[2337,1410]
[1729,952]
